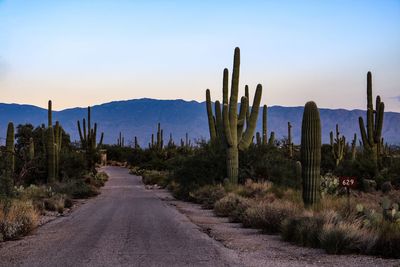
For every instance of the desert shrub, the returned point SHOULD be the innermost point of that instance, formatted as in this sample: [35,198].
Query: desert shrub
[252,189]
[136,171]
[55,203]
[77,189]
[152,177]
[207,195]
[303,229]
[17,218]
[232,206]
[268,216]
[346,237]
[388,240]
[98,180]
[267,163]
[206,165]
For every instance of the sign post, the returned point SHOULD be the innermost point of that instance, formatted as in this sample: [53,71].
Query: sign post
[348,183]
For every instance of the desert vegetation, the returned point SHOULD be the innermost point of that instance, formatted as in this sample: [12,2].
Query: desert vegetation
[343,196]
[42,173]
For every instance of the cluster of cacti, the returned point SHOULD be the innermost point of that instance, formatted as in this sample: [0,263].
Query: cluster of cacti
[159,142]
[187,143]
[171,142]
[262,139]
[121,140]
[229,124]
[88,137]
[338,145]
[390,212]
[371,135]
[7,179]
[311,154]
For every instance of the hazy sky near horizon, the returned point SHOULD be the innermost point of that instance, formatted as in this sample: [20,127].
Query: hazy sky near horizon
[81,53]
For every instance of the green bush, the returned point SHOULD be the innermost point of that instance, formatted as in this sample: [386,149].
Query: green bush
[232,206]
[152,177]
[303,230]
[77,189]
[208,195]
[388,240]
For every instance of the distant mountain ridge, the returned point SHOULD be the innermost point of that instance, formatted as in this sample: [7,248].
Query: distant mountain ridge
[139,117]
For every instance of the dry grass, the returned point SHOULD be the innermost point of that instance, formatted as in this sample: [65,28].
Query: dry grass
[17,218]
[232,206]
[268,216]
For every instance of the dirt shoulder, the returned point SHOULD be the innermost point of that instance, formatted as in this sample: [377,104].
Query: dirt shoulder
[256,249]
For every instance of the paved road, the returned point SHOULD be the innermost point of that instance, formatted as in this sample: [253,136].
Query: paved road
[124,226]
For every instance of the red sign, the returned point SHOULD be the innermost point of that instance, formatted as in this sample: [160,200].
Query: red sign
[349,182]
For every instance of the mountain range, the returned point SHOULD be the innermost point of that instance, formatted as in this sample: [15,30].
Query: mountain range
[139,117]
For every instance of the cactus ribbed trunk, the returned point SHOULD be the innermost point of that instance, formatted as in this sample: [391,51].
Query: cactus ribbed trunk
[311,154]
[51,156]
[232,164]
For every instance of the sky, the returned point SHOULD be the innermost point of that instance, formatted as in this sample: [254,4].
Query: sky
[87,52]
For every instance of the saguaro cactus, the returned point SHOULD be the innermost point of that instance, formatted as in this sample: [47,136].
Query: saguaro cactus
[337,146]
[311,154]
[264,126]
[51,156]
[233,124]
[88,138]
[354,148]
[372,134]
[6,180]
[290,143]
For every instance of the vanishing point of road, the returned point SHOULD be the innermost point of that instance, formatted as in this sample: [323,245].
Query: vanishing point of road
[126,225]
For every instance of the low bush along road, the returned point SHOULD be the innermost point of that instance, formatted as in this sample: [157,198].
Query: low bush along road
[124,226]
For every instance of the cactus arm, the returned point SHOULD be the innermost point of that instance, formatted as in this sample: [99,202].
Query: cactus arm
[211,122]
[246,94]
[242,117]
[218,120]
[227,129]
[250,129]
[233,101]
[379,121]
[363,133]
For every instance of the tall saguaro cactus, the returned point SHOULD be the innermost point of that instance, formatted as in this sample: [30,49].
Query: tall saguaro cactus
[236,135]
[371,135]
[311,154]
[88,138]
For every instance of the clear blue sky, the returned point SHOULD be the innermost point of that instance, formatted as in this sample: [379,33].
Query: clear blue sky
[81,53]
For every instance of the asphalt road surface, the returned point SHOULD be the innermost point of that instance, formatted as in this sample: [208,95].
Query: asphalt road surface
[124,226]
